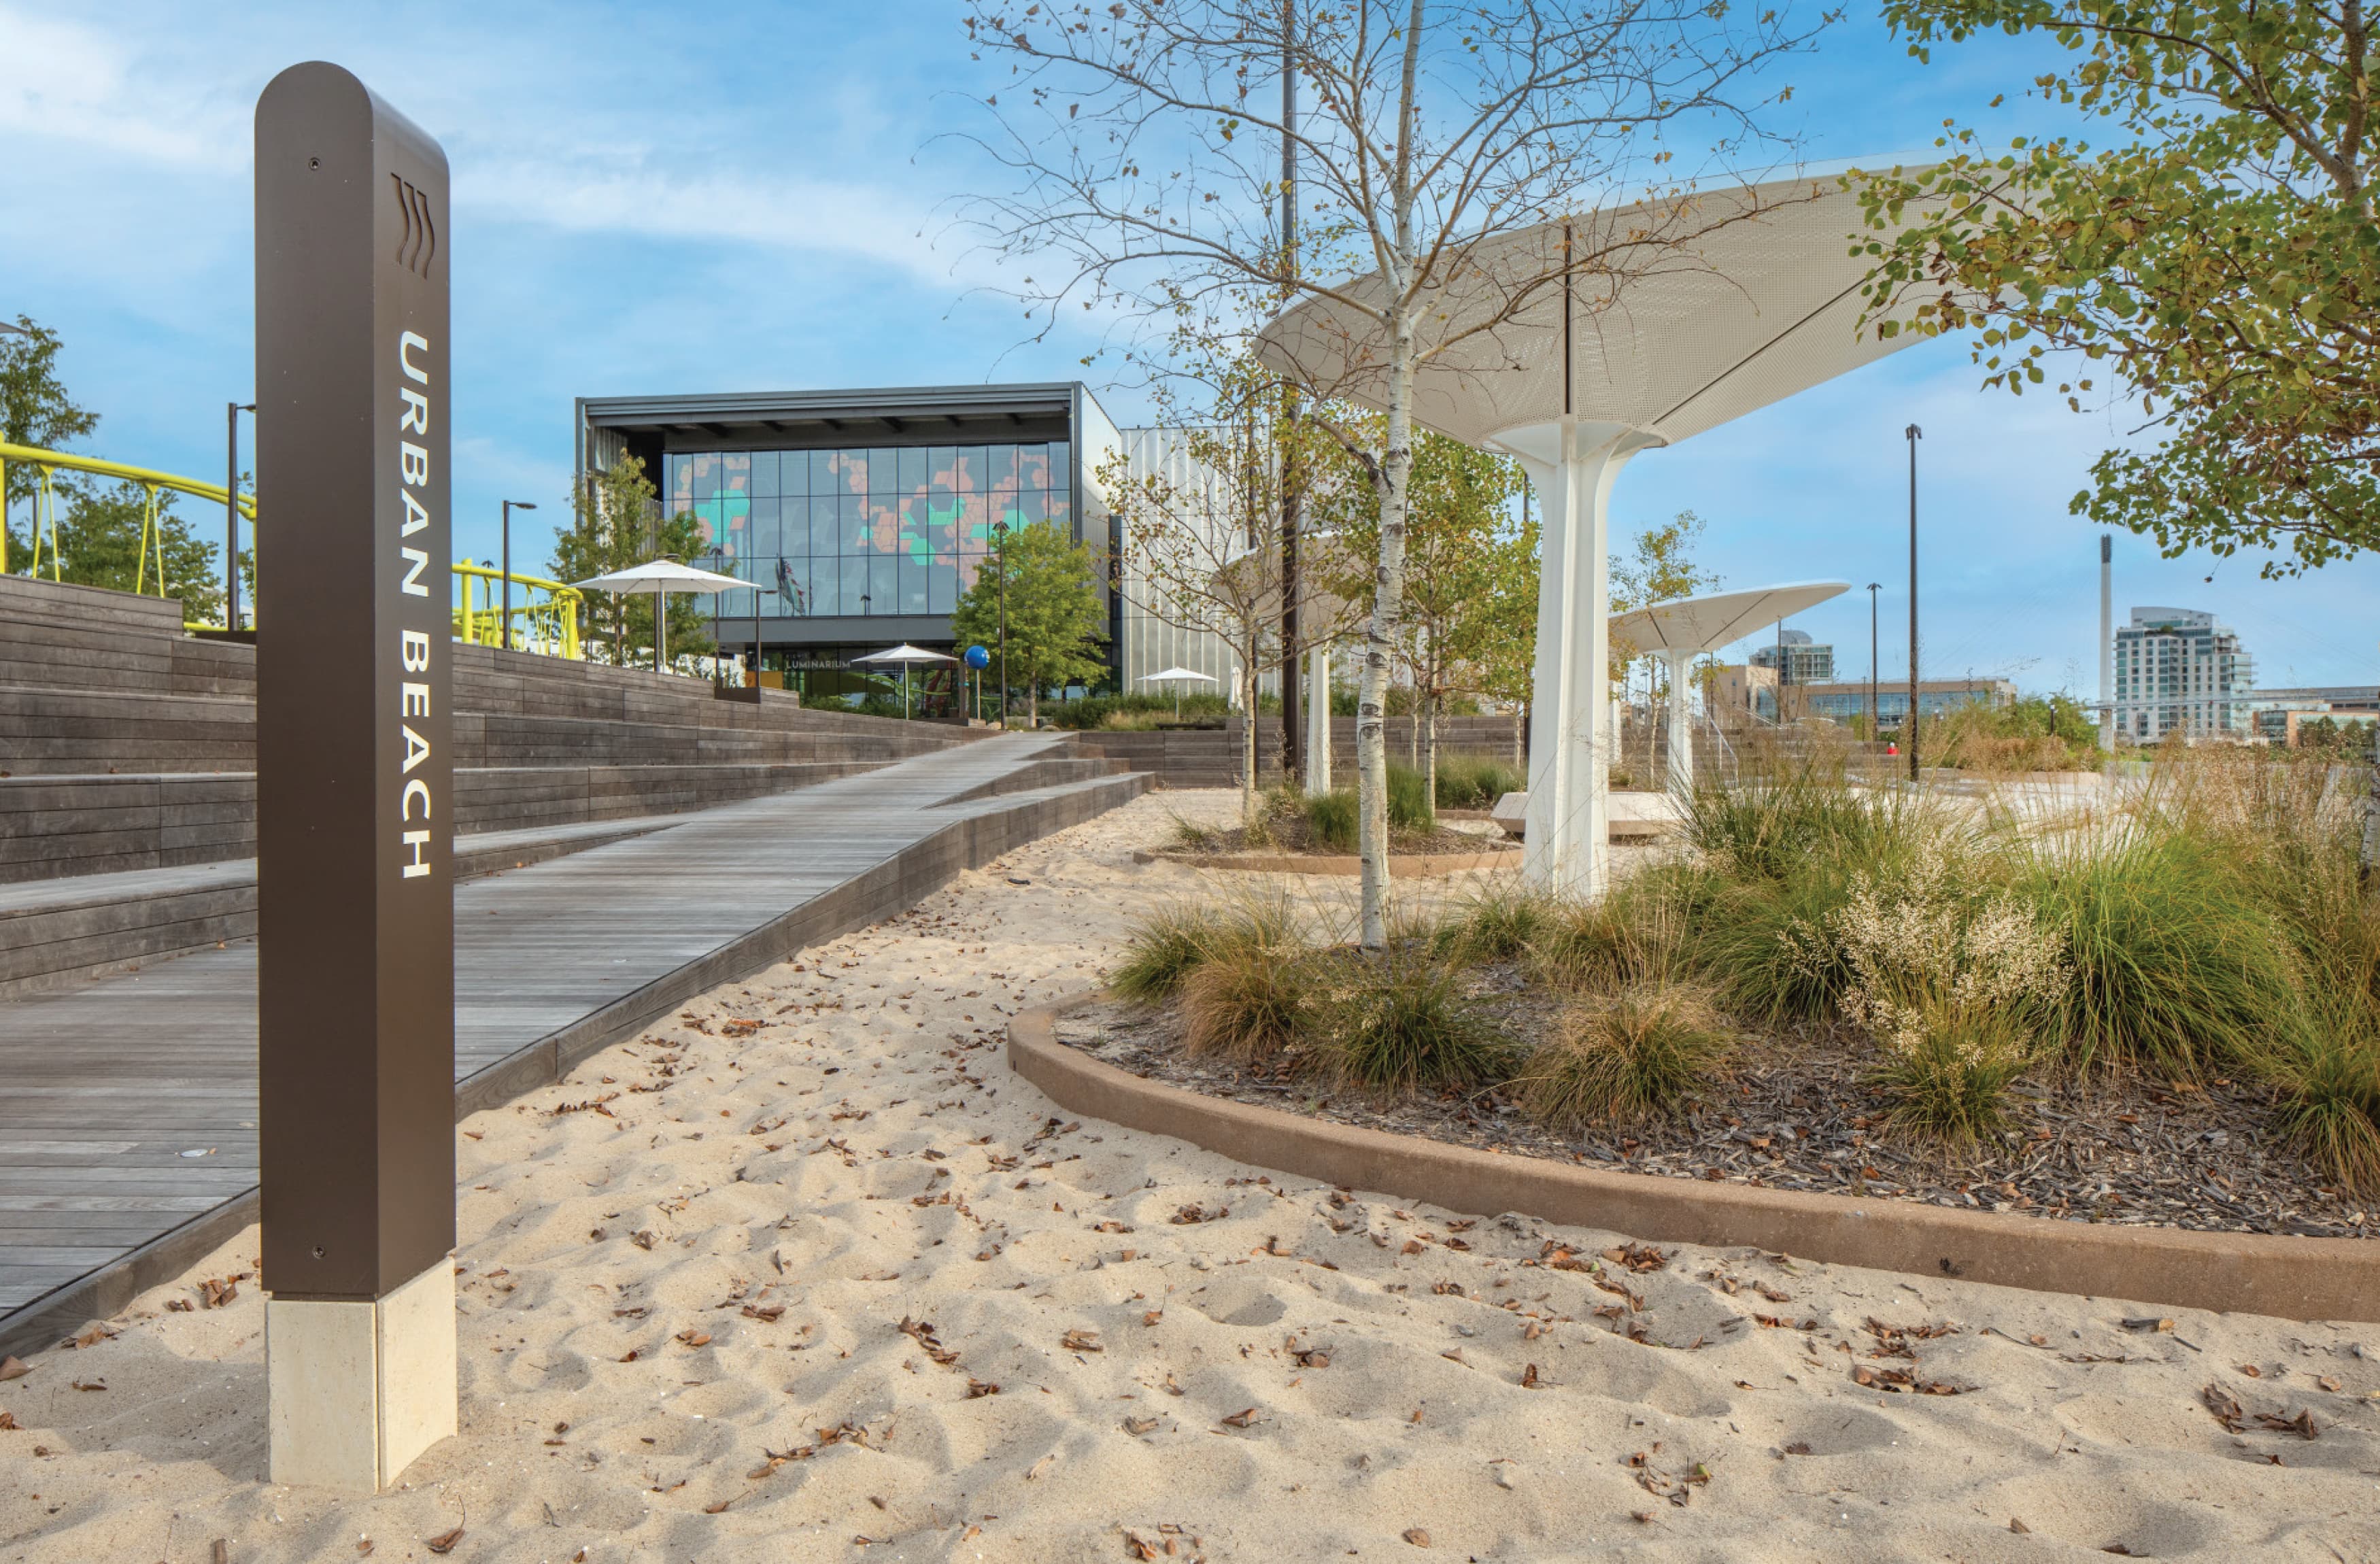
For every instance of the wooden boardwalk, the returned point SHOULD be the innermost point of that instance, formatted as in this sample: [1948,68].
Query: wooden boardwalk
[128,1107]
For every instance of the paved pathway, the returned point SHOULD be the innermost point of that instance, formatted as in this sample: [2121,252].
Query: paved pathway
[128,1107]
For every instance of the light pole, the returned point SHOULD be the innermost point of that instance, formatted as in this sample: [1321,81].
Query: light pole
[1875,717]
[1915,434]
[232,410]
[9,328]
[999,542]
[510,506]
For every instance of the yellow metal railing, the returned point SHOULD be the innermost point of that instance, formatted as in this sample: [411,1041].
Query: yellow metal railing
[546,623]
[549,627]
[45,503]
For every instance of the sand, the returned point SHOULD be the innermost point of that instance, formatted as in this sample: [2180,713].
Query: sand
[754,1216]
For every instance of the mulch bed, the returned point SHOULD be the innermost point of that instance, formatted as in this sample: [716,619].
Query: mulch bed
[1291,836]
[1798,1114]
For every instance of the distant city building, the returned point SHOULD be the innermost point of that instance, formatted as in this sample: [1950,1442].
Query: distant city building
[2278,716]
[1805,664]
[1737,688]
[1845,702]
[2179,671]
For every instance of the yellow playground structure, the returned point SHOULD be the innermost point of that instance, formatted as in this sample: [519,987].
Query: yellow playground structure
[544,614]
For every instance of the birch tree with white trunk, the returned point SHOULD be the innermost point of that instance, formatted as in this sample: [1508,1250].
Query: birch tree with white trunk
[1143,140]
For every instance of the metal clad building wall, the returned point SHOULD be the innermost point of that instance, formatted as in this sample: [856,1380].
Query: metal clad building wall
[1149,642]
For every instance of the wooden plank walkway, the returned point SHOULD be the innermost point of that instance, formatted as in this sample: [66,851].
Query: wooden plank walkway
[128,1107]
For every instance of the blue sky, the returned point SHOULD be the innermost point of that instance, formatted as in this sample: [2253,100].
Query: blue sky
[754,196]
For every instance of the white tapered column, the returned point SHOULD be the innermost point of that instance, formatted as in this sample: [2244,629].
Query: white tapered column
[1681,724]
[1318,720]
[1570,726]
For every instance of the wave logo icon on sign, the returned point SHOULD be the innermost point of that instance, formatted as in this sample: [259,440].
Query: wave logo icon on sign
[419,241]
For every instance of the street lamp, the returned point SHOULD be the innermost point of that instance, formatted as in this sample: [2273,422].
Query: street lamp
[232,410]
[1874,716]
[510,506]
[1915,434]
[999,541]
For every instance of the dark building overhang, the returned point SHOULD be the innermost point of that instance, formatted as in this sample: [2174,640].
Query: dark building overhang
[800,419]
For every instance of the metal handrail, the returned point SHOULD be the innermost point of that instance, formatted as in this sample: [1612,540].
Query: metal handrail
[553,622]
[46,502]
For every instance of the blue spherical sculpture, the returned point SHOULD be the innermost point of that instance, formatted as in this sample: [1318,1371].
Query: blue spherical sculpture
[978,658]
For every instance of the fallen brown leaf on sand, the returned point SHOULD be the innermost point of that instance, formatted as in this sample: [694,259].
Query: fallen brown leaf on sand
[92,1334]
[8,1420]
[14,1368]
[714,1508]
[768,1315]
[1245,1418]
[2301,1425]
[977,1389]
[1416,1536]
[695,1337]
[1529,1377]
[446,1543]
[1136,1426]
[1637,1257]
[1081,1341]
[1152,1316]
[90,1384]
[2227,1410]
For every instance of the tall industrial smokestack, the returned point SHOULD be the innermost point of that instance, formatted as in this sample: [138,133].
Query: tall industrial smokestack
[2107,642]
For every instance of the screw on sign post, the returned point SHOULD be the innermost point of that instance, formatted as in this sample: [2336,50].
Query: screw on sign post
[356,911]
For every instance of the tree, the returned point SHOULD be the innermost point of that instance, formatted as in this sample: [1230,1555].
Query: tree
[1202,534]
[1460,507]
[1502,656]
[1052,611]
[2225,259]
[1148,166]
[620,525]
[34,410]
[100,545]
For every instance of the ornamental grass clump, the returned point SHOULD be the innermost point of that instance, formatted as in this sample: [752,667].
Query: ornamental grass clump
[1250,994]
[1164,947]
[2175,964]
[1403,1022]
[1624,1057]
[1475,782]
[1500,923]
[2329,1073]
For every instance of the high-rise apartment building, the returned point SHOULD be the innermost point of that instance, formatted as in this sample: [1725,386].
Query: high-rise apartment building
[1805,664]
[2178,670]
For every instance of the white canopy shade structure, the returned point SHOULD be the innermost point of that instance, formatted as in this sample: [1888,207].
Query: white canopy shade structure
[661,577]
[1686,627]
[1696,310]
[1178,676]
[904,654]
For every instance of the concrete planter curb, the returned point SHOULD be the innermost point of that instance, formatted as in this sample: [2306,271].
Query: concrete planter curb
[2307,1279]
[1412,864]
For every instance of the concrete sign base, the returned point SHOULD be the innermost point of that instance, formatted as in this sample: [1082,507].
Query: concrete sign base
[359,1389]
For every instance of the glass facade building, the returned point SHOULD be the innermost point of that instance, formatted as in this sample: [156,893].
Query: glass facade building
[857,531]
[859,517]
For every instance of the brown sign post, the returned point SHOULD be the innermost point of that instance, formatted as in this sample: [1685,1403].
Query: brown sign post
[355,910]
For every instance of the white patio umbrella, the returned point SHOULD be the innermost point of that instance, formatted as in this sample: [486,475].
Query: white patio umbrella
[1177,675]
[1682,628]
[1701,306]
[661,577]
[904,654]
